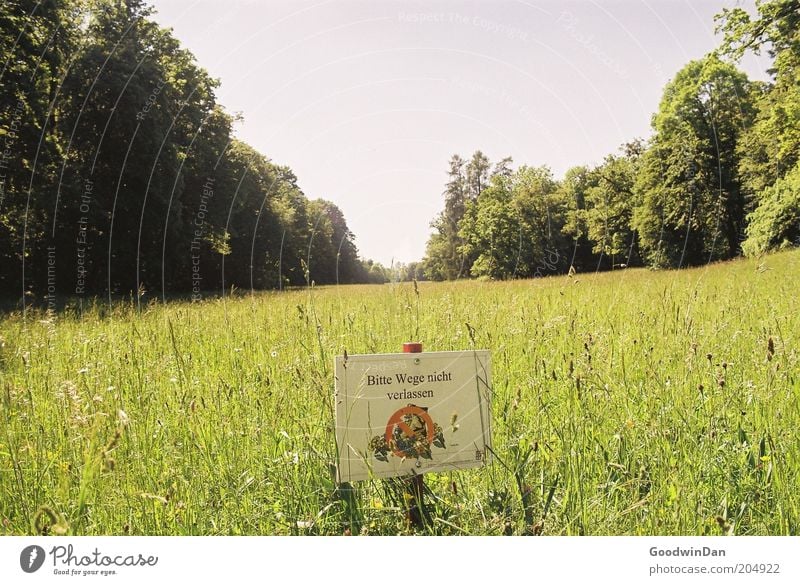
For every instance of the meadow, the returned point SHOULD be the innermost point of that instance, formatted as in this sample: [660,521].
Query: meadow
[632,402]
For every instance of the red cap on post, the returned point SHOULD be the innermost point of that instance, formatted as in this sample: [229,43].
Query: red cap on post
[412,347]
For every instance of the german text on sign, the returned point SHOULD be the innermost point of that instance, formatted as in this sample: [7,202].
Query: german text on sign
[409,413]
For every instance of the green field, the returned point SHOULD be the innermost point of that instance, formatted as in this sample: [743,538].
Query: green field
[633,402]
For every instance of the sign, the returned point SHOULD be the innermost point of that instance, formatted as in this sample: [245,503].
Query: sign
[411,413]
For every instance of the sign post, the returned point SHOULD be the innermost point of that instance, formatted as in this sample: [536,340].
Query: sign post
[410,413]
[415,488]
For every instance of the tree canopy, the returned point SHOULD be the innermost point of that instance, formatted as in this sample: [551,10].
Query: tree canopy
[719,177]
[121,174]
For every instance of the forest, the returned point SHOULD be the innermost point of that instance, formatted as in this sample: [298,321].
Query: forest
[120,174]
[718,178]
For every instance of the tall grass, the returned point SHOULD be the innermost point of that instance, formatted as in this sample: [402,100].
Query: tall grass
[632,402]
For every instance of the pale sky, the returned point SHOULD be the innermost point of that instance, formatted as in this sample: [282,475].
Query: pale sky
[366,100]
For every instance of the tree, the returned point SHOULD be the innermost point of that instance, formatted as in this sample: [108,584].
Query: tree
[244,216]
[374,272]
[777,25]
[121,160]
[543,248]
[692,206]
[776,221]
[572,192]
[446,256]
[442,258]
[491,231]
[138,183]
[770,148]
[513,229]
[610,203]
[37,40]
[334,256]
[477,174]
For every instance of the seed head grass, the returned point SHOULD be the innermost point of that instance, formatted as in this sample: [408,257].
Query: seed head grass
[632,402]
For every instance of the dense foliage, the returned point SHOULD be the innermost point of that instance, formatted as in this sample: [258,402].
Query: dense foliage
[718,177]
[121,172]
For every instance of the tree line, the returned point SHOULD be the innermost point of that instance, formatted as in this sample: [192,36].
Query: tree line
[120,172]
[719,177]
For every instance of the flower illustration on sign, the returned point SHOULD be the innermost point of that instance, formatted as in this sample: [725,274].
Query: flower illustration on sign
[409,433]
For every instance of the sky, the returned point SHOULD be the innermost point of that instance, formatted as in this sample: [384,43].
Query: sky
[367,100]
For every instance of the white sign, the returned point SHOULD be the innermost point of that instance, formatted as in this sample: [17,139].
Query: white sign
[410,413]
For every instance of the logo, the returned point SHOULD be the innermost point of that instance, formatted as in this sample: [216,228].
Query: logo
[31,558]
